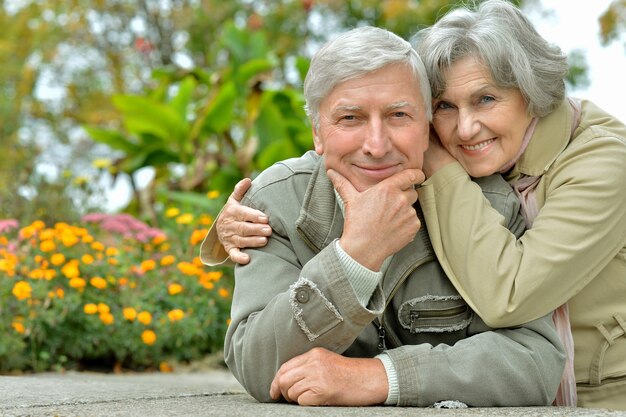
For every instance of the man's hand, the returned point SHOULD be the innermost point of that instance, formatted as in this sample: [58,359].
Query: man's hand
[322,377]
[380,220]
[240,227]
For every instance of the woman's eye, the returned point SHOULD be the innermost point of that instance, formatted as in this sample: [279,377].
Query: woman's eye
[442,105]
[487,99]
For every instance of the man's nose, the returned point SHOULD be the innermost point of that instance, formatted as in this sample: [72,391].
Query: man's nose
[377,142]
[468,125]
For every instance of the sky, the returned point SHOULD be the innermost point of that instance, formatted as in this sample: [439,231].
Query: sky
[573,24]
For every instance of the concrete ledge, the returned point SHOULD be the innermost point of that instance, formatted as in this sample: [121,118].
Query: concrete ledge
[214,393]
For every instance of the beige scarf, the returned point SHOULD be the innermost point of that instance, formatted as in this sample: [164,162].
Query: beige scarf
[525,189]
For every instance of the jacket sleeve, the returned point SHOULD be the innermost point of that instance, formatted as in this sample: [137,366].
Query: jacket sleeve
[507,367]
[580,227]
[281,309]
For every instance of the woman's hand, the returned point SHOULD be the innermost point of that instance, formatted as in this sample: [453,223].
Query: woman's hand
[240,227]
[436,156]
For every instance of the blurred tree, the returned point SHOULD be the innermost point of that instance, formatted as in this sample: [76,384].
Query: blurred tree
[613,22]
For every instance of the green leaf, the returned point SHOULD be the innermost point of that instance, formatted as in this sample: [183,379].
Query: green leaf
[112,138]
[270,124]
[252,68]
[142,115]
[182,99]
[276,151]
[220,112]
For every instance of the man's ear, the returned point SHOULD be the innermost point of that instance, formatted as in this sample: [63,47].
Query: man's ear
[319,145]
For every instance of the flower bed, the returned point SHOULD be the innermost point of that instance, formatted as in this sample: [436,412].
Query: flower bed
[110,292]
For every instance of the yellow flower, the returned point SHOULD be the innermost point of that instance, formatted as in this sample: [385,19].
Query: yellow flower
[197,236]
[148,337]
[98,282]
[214,275]
[22,290]
[46,234]
[18,327]
[172,212]
[111,251]
[213,194]
[69,239]
[223,292]
[144,318]
[107,318]
[148,265]
[47,246]
[168,260]
[90,308]
[129,313]
[188,268]
[186,218]
[175,315]
[87,239]
[38,225]
[158,239]
[174,288]
[97,246]
[70,269]
[77,283]
[103,308]
[112,261]
[60,293]
[57,259]
[101,163]
[87,259]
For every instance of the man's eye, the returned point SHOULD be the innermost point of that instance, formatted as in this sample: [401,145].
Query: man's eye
[487,99]
[399,114]
[348,117]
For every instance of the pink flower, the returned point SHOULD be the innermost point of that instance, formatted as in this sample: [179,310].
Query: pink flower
[8,224]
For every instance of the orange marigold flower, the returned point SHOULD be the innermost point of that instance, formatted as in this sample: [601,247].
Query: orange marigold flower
[148,337]
[47,246]
[18,327]
[38,225]
[107,318]
[165,367]
[186,218]
[205,219]
[223,292]
[147,265]
[197,236]
[175,315]
[22,290]
[129,313]
[77,283]
[46,234]
[214,275]
[57,259]
[174,288]
[188,268]
[144,318]
[103,308]
[97,246]
[87,259]
[122,281]
[60,293]
[112,261]
[197,261]
[207,284]
[69,239]
[158,239]
[90,308]
[98,282]
[87,239]
[168,260]
[49,274]
[111,251]
[70,269]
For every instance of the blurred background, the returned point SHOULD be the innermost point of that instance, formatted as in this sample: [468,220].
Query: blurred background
[124,125]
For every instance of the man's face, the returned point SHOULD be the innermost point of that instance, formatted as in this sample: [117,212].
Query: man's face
[373,127]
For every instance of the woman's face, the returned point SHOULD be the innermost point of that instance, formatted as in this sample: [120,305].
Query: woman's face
[482,126]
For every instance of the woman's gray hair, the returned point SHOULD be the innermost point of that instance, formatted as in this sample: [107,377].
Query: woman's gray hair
[354,54]
[499,35]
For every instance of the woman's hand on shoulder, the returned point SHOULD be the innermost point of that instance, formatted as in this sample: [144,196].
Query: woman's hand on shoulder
[240,227]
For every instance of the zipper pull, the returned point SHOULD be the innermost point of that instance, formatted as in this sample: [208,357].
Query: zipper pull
[413,315]
[382,346]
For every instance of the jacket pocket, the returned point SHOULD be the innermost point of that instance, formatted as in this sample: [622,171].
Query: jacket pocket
[435,314]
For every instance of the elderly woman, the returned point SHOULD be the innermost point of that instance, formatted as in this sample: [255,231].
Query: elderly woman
[500,106]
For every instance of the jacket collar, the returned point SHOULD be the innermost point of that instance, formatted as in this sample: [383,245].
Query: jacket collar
[550,138]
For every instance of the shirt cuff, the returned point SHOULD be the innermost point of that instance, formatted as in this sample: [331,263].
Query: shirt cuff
[392,379]
[363,280]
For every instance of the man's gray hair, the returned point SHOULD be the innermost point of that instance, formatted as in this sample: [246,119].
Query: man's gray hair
[499,35]
[354,54]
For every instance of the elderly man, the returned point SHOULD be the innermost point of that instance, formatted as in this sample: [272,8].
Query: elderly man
[347,304]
